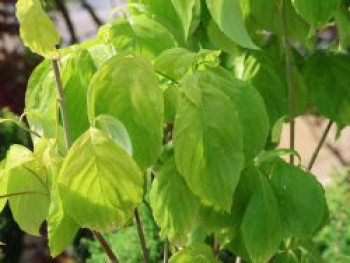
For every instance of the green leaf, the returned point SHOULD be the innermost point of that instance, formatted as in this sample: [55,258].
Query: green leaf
[254,12]
[3,185]
[174,205]
[76,76]
[261,226]
[175,63]
[164,13]
[220,40]
[61,227]
[327,77]
[315,12]
[99,178]
[251,111]
[28,185]
[41,95]
[342,18]
[227,14]
[199,253]
[256,18]
[286,257]
[301,200]
[142,36]
[126,88]
[37,31]
[40,100]
[225,226]
[184,9]
[266,79]
[208,152]
[171,100]
[115,130]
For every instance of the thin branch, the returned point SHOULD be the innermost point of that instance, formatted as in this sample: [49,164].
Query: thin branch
[141,236]
[166,251]
[62,101]
[63,9]
[289,77]
[319,146]
[111,256]
[92,13]
[337,154]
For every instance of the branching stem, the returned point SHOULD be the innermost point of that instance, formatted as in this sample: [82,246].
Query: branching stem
[63,108]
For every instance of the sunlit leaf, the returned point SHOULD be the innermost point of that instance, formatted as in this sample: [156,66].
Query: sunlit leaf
[227,14]
[37,31]
[99,178]
[174,205]
[126,87]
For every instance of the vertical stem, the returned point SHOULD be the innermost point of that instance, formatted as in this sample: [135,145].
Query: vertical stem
[106,247]
[62,101]
[289,77]
[319,146]
[166,251]
[63,108]
[141,236]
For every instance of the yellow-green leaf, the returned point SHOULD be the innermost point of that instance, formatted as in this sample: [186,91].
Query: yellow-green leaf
[37,31]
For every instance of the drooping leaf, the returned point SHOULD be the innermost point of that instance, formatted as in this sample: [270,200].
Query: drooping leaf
[174,205]
[199,253]
[28,187]
[61,227]
[184,9]
[37,31]
[227,14]
[141,36]
[315,12]
[327,79]
[261,226]
[301,200]
[99,178]
[208,152]
[127,88]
